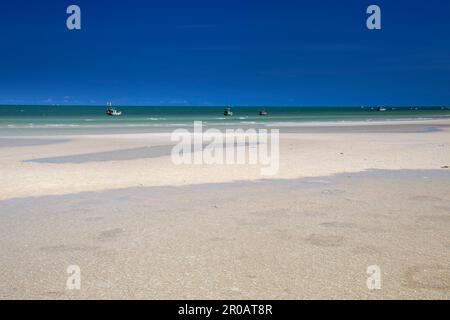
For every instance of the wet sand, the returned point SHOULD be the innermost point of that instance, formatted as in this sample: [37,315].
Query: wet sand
[140,227]
[286,239]
[112,161]
[24,142]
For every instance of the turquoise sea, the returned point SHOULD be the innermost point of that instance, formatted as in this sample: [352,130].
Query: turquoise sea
[89,116]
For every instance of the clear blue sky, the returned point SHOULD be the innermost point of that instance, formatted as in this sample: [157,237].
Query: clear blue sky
[216,52]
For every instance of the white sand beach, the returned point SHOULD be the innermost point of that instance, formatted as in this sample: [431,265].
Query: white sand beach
[346,197]
[101,162]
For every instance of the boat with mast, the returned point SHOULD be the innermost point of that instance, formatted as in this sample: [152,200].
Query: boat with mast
[227,112]
[111,111]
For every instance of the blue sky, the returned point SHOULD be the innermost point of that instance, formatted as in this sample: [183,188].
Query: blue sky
[217,52]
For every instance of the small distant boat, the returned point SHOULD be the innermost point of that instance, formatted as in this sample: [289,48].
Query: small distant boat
[112,112]
[227,112]
[263,113]
[381,109]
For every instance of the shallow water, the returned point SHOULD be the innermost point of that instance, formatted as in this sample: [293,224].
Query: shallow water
[135,116]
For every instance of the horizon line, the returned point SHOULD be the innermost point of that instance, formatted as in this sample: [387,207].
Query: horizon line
[229,105]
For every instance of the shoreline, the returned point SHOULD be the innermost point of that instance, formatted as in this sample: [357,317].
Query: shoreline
[44,132]
[240,121]
[63,164]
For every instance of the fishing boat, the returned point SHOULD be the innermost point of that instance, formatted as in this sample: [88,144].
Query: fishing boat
[263,113]
[227,112]
[111,111]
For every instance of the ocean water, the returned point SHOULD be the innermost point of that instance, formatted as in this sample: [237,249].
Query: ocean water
[48,116]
